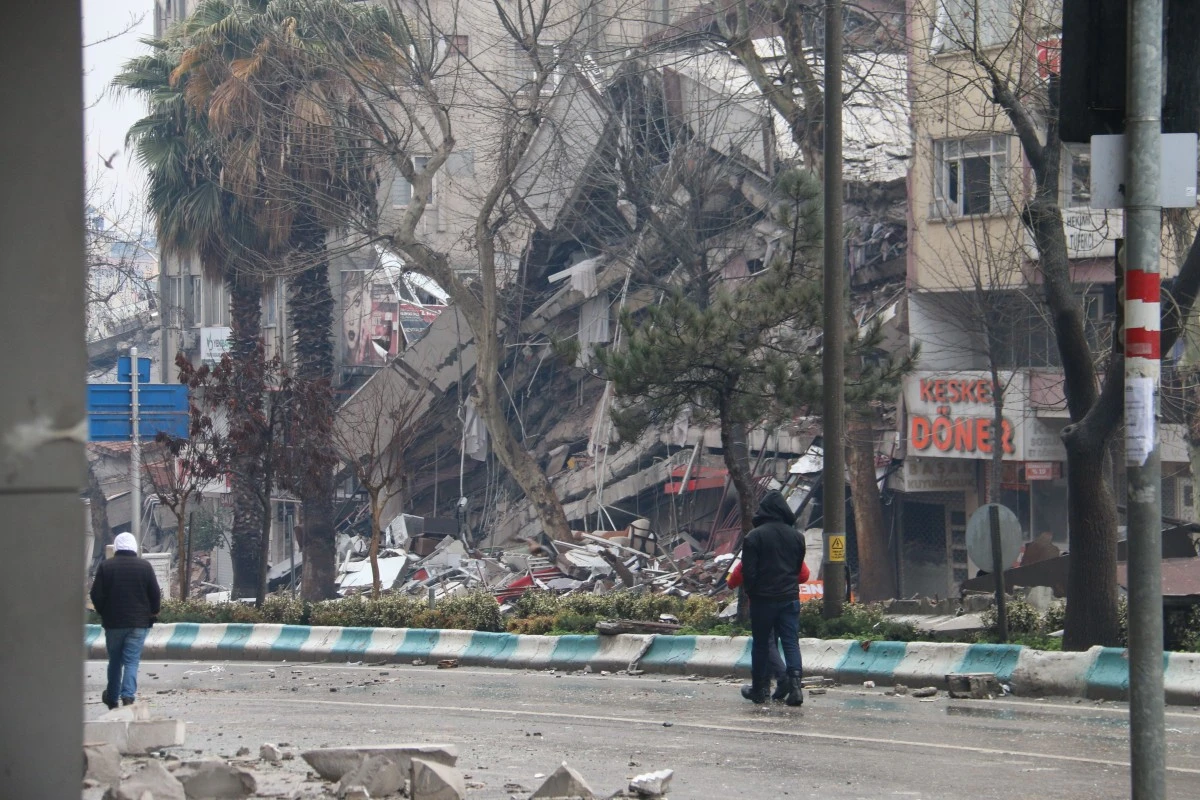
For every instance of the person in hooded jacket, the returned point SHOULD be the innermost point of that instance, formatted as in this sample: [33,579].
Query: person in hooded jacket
[778,669]
[772,556]
[125,594]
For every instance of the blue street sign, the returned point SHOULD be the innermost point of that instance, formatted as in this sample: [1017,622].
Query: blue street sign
[123,369]
[162,407]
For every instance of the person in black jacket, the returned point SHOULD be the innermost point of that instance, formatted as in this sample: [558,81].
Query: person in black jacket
[125,594]
[771,560]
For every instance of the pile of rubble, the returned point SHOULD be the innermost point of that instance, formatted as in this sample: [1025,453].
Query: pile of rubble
[414,771]
[440,567]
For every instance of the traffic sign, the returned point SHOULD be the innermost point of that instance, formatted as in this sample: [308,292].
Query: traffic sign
[161,408]
[979,537]
[123,364]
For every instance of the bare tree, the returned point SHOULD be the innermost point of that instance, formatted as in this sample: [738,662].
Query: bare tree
[171,468]
[372,434]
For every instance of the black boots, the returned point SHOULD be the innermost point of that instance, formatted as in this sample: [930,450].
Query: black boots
[782,687]
[795,695]
[756,692]
[105,699]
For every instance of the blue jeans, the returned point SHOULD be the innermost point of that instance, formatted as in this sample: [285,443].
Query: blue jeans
[769,620]
[124,654]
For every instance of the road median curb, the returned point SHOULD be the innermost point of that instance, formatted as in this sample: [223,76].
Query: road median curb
[1101,673]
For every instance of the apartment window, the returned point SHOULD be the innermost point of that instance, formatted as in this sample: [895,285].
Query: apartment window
[549,56]
[459,46]
[216,303]
[402,190]
[191,300]
[170,292]
[968,24]
[270,303]
[969,176]
[1077,175]
[661,11]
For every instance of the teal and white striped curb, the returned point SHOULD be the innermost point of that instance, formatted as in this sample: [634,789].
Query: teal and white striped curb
[1101,673]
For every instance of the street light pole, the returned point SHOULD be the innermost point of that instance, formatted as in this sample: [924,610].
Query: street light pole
[1143,468]
[833,359]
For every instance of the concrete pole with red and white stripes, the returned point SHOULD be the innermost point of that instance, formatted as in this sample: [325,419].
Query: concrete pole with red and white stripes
[1143,468]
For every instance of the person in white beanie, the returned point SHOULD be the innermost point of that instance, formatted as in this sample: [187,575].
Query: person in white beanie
[125,594]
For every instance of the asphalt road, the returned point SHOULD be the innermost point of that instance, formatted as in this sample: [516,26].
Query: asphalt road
[511,727]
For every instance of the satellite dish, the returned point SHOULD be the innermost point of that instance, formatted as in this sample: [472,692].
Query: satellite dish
[979,537]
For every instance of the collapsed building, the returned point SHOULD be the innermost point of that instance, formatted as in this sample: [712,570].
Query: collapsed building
[661,510]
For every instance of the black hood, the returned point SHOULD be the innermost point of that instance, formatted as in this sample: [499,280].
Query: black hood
[774,508]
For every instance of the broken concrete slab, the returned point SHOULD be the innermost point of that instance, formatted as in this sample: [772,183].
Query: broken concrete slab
[652,784]
[152,779]
[565,783]
[270,752]
[356,793]
[331,763]
[379,775]
[434,781]
[144,736]
[135,737]
[139,710]
[102,764]
[214,779]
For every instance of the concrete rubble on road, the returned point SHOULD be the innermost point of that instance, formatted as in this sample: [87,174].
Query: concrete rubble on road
[152,779]
[565,783]
[270,752]
[974,686]
[379,775]
[331,763]
[413,771]
[433,781]
[652,784]
[214,779]
[132,731]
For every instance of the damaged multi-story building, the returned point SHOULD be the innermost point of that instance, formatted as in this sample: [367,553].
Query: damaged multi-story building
[589,257]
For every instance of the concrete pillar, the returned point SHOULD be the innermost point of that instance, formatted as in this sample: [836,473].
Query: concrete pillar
[42,375]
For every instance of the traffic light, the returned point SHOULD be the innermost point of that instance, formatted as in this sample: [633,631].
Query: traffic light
[1092,80]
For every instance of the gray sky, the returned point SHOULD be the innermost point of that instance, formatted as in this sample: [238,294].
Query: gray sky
[109,117]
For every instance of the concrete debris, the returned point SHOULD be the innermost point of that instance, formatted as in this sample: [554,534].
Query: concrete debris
[651,784]
[868,684]
[270,752]
[974,685]
[138,711]
[900,689]
[436,568]
[135,737]
[214,779]
[152,781]
[102,764]
[356,793]
[928,691]
[564,784]
[448,663]
[331,763]
[434,781]
[379,775]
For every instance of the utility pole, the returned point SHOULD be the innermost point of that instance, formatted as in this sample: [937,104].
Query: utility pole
[1143,468]
[135,453]
[833,351]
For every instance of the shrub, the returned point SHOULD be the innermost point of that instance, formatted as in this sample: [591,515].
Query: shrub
[284,609]
[571,622]
[473,611]
[858,621]
[530,625]
[699,610]
[536,603]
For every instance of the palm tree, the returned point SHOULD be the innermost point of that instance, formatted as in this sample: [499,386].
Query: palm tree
[196,213]
[297,143]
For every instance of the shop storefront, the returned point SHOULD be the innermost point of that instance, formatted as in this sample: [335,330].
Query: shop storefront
[949,434]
